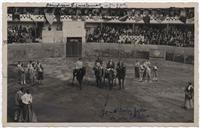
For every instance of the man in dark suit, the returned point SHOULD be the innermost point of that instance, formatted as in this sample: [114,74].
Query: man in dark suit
[121,73]
[110,64]
[137,68]
[99,60]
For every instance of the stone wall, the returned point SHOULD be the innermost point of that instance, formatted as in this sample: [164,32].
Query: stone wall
[129,50]
[25,52]
[17,52]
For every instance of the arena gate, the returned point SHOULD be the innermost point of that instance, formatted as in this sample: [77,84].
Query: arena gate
[73,35]
[74,47]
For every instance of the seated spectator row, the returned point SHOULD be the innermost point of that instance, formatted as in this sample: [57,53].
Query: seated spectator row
[22,33]
[176,35]
[170,12]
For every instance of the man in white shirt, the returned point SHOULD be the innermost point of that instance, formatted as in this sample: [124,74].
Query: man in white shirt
[147,74]
[27,106]
[155,72]
[79,64]
[141,71]
[26,98]
[79,71]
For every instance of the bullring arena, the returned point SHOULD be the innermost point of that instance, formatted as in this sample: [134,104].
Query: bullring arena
[57,49]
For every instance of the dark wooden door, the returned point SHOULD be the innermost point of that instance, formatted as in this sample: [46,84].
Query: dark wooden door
[74,47]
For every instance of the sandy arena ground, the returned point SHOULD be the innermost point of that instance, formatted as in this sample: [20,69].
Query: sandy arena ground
[57,100]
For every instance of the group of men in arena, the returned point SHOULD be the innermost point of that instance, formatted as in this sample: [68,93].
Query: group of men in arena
[31,73]
[144,71]
[98,62]
[119,70]
[23,106]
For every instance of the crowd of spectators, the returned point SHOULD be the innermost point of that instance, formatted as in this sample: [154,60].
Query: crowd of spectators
[25,10]
[120,12]
[22,34]
[109,33]
[182,36]
[112,33]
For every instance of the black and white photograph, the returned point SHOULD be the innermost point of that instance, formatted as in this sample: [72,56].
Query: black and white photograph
[100,63]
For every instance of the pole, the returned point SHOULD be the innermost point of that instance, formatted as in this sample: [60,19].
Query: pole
[35,29]
[101,39]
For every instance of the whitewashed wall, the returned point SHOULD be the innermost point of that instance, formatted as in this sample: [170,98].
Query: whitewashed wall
[53,35]
[74,29]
